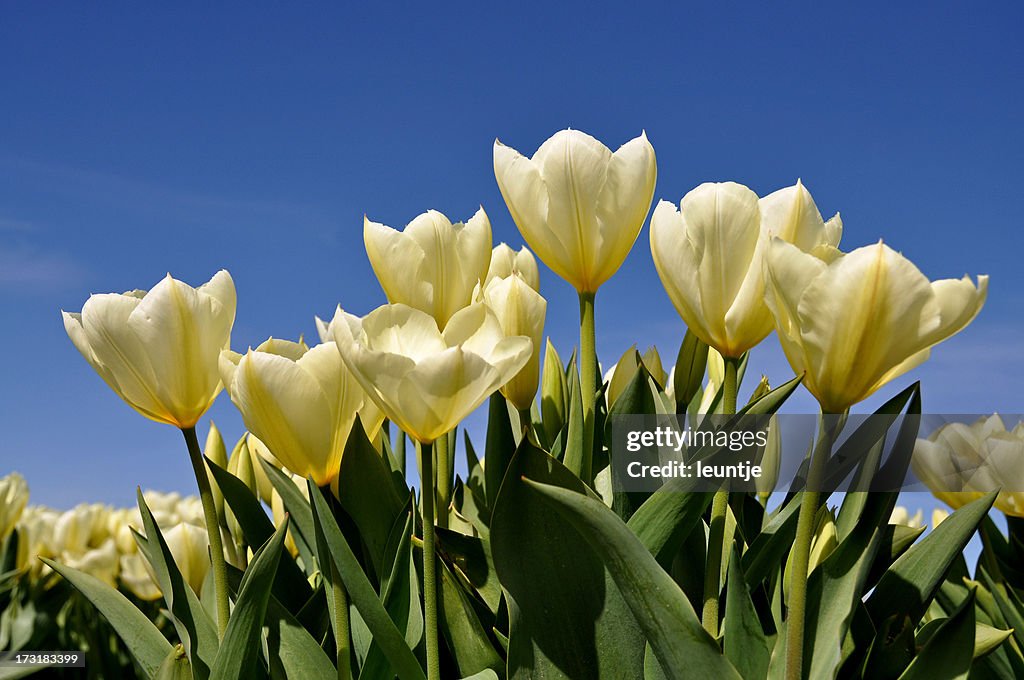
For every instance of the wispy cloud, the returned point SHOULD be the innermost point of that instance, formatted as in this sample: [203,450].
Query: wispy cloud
[28,266]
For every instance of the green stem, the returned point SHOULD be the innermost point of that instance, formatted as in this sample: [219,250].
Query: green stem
[810,499]
[588,380]
[429,566]
[443,480]
[719,508]
[400,452]
[220,570]
[525,421]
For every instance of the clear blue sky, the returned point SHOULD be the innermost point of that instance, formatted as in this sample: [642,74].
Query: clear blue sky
[137,140]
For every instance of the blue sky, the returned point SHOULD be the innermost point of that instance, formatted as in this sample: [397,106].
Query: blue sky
[138,140]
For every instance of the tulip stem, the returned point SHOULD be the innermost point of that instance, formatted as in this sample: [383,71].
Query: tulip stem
[719,509]
[220,570]
[810,499]
[588,380]
[443,480]
[429,566]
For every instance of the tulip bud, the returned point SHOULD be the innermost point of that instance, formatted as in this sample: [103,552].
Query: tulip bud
[433,265]
[425,380]
[771,460]
[520,310]
[159,350]
[852,322]
[578,205]
[553,392]
[505,262]
[218,455]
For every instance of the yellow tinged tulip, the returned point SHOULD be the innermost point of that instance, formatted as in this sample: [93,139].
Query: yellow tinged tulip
[423,379]
[852,322]
[901,516]
[578,205]
[520,310]
[505,262]
[300,402]
[709,254]
[190,546]
[158,350]
[433,265]
[960,462]
[13,499]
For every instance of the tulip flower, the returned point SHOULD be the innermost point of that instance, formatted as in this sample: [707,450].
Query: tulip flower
[158,350]
[300,402]
[960,462]
[709,255]
[434,265]
[520,310]
[578,205]
[13,499]
[901,517]
[505,262]
[426,380]
[851,323]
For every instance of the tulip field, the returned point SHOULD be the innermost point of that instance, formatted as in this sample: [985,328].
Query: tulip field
[309,548]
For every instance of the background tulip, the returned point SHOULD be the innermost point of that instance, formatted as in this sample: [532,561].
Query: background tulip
[961,462]
[853,322]
[433,265]
[426,380]
[505,262]
[300,402]
[578,205]
[13,499]
[520,310]
[709,254]
[158,350]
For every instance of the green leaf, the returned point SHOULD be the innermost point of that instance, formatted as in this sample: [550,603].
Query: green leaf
[773,400]
[573,456]
[141,638]
[362,594]
[291,586]
[768,548]
[295,504]
[660,608]
[636,398]
[691,363]
[196,630]
[367,493]
[566,616]
[462,629]
[471,556]
[237,656]
[744,640]
[499,447]
[291,650]
[910,583]
[665,519]
[949,652]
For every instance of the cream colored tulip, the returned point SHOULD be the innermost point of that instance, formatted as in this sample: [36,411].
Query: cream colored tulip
[520,310]
[505,262]
[13,499]
[852,322]
[579,206]
[960,462]
[709,254]
[35,539]
[902,517]
[300,402]
[433,265]
[158,350]
[189,545]
[426,380]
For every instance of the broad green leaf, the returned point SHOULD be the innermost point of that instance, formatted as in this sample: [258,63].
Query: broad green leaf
[664,519]
[291,650]
[175,666]
[573,455]
[911,582]
[362,594]
[566,616]
[635,398]
[949,652]
[295,503]
[660,608]
[744,643]
[141,638]
[462,630]
[471,556]
[237,659]
[196,630]
[769,547]
[773,400]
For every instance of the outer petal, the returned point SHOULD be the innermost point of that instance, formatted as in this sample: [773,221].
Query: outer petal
[520,310]
[505,262]
[959,302]
[790,214]
[788,273]
[677,262]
